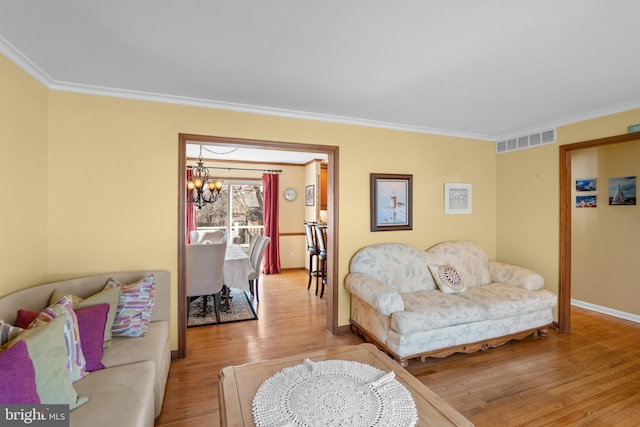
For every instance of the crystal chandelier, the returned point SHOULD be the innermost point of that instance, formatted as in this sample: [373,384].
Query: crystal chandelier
[201,188]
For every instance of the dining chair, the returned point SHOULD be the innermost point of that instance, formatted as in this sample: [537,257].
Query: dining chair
[252,243]
[216,236]
[321,241]
[205,274]
[312,249]
[255,256]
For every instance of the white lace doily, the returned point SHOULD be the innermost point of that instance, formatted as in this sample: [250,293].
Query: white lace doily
[333,393]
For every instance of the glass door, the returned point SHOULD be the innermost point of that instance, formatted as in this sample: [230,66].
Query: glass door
[238,212]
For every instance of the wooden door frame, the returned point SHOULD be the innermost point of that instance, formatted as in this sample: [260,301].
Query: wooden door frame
[566,206]
[332,153]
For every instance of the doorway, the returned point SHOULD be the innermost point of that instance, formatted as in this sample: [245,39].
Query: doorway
[564,291]
[332,153]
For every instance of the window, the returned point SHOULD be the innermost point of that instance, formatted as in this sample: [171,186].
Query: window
[238,212]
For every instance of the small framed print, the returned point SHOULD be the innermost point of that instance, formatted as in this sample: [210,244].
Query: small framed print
[457,198]
[587,184]
[309,195]
[391,202]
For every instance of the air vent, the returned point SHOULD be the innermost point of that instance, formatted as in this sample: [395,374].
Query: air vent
[526,141]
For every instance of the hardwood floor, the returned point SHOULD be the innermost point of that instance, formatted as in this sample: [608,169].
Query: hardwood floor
[291,320]
[590,376]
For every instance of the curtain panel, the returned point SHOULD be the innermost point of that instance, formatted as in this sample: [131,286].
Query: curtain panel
[271,260]
[190,211]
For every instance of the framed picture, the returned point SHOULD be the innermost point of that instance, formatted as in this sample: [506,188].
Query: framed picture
[622,191]
[587,201]
[309,193]
[391,198]
[587,184]
[457,198]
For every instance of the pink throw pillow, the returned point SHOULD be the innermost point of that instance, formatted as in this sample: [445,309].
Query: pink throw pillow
[25,318]
[18,379]
[91,324]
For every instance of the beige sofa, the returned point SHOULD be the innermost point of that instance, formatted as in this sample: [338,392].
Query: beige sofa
[397,305]
[130,390]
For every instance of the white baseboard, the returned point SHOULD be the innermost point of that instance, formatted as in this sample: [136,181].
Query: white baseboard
[605,310]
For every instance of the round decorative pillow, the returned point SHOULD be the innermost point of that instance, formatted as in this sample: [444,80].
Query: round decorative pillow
[447,278]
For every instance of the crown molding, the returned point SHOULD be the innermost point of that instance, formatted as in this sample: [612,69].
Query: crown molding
[13,54]
[255,109]
[594,114]
[36,72]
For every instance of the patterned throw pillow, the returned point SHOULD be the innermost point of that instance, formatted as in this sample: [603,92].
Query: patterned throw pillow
[48,353]
[135,306]
[8,332]
[447,279]
[76,363]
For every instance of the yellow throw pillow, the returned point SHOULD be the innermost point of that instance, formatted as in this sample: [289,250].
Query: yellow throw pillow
[108,296]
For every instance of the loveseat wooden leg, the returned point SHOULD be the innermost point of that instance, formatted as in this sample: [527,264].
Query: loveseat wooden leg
[402,362]
[543,332]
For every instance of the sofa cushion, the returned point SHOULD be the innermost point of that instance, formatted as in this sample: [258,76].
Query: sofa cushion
[500,300]
[18,379]
[433,310]
[469,260]
[153,346]
[447,279]
[125,350]
[118,396]
[400,266]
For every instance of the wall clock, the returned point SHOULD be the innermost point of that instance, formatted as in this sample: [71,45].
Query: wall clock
[290,194]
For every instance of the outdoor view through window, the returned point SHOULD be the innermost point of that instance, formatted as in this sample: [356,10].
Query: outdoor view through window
[238,212]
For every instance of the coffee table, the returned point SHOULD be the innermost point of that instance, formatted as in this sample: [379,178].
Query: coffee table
[239,384]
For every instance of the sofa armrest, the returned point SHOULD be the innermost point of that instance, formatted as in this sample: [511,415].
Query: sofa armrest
[378,295]
[516,276]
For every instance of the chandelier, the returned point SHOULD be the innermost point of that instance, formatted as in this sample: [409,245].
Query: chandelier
[201,188]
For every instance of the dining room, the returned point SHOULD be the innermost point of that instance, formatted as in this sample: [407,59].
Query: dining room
[233,205]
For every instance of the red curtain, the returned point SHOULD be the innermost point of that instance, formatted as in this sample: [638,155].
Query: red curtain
[271,229]
[192,223]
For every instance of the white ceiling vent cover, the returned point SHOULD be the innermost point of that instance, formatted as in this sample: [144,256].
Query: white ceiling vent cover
[526,141]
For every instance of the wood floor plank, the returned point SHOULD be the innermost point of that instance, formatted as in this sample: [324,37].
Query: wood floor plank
[588,377]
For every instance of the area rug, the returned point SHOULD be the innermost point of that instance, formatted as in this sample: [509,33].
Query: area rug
[239,309]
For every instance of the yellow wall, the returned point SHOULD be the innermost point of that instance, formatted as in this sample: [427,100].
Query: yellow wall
[605,242]
[527,206]
[23,179]
[528,196]
[113,168]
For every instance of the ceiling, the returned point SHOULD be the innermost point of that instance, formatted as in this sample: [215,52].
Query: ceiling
[484,69]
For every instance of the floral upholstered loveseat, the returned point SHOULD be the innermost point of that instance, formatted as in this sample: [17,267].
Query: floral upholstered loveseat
[397,304]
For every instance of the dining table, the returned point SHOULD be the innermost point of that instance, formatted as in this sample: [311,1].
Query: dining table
[237,268]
